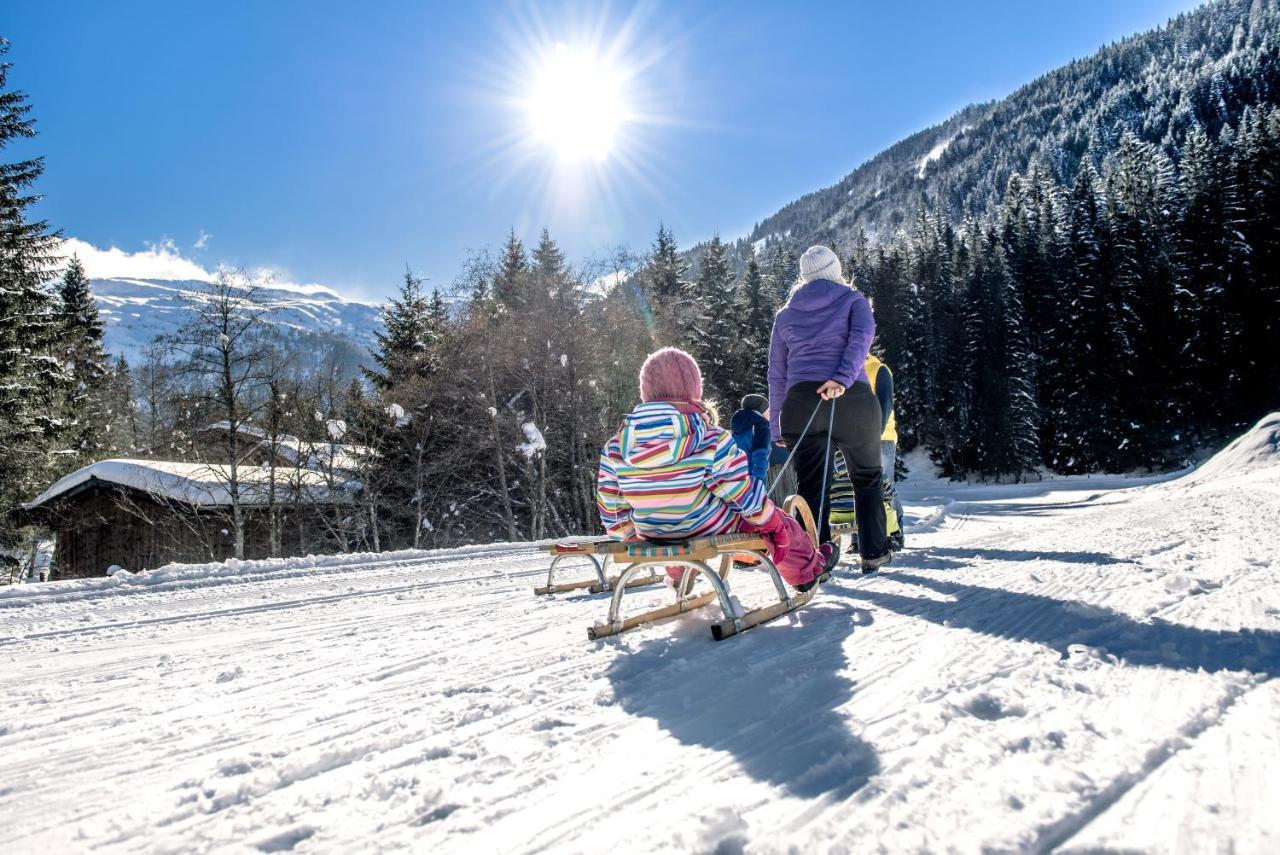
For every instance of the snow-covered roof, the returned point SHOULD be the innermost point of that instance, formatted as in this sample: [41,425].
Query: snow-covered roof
[198,484]
[312,454]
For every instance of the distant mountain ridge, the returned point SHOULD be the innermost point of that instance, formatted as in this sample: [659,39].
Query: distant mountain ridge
[136,311]
[1202,67]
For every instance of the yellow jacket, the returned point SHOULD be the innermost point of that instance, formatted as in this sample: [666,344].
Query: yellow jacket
[873,366]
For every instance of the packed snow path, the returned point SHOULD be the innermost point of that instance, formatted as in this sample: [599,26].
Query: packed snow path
[1068,666]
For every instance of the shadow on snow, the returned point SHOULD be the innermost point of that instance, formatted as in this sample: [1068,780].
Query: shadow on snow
[1059,623]
[770,697]
[949,558]
[978,492]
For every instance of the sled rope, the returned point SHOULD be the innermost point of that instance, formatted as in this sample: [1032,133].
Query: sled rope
[826,469]
[826,466]
[783,468]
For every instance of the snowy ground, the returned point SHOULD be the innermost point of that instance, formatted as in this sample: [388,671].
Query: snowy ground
[1077,666]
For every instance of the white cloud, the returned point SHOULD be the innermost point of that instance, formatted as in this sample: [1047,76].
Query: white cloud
[163,260]
[202,241]
[158,261]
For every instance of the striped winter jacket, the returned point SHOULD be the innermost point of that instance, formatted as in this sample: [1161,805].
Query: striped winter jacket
[671,475]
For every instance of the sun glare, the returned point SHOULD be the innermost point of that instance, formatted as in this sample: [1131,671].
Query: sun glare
[576,105]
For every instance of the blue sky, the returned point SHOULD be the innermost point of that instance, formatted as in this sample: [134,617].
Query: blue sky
[336,143]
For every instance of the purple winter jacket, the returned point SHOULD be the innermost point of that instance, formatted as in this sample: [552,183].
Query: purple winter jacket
[823,333]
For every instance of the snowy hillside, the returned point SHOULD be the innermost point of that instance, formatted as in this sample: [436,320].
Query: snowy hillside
[135,311]
[1078,666]
[1205,66]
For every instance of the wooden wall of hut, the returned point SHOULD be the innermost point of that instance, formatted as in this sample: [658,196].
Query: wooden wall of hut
[97,529]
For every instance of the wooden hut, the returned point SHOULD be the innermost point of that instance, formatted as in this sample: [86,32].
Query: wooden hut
[141,514]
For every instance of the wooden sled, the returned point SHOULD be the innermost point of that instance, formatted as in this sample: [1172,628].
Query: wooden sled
[695,555]
[839,530]
[850,529]
[598,553]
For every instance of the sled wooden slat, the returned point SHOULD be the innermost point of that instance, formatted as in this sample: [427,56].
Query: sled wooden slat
[655,579]
[584,547]
[593,586]
[561,587]
[698,549]
[603,630]
[571,548]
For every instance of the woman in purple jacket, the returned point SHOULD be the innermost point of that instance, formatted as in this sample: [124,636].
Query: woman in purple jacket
[816,357]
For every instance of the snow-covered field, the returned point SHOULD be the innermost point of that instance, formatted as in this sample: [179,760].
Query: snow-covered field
[1077,666]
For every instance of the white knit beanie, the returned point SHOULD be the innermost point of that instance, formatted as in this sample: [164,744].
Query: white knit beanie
[819,262]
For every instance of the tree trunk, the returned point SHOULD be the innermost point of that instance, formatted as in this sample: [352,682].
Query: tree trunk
[273,511]
[237,523]
[373,526]
[418,495]
[499,459]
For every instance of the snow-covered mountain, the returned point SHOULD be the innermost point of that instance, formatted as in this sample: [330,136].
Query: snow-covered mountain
[136,311]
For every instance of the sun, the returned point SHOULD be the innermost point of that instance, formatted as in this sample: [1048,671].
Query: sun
[576,105]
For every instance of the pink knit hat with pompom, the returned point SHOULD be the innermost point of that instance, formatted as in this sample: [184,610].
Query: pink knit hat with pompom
[670,374]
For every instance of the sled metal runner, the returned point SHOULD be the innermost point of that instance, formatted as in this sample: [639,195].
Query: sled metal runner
[695,555]
[598,554]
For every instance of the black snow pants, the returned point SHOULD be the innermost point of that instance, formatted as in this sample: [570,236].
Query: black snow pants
[856,432]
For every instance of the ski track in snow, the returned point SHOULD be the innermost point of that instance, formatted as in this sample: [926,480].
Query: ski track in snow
[1078,666]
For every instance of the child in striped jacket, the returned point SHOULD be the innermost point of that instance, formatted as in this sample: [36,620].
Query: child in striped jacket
[671,474]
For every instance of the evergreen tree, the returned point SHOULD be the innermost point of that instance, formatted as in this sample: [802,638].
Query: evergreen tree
[860,257]
[400,423]
[986,429]
[782,273]
[1002,438]
[715,335]
[33,379]
[1139,211]
[664,285]
[885,282]
[120,409]
[1212,267]
[405,339]
[1022,455]
[510,284]
[1092,335]
[438,318]
[757,310]
[1255,167]
[85,419]
[664,275]
[917,364]
[550,272]
[1029,237]
[951,451]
